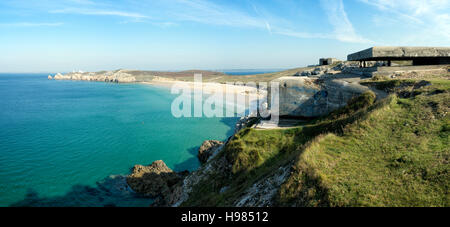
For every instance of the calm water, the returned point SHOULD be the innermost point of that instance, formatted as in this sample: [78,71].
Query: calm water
[62,142]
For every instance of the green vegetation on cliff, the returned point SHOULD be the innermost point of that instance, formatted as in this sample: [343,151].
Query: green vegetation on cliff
[390,152]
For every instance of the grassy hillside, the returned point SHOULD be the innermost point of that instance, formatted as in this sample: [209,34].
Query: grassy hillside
[393,152]
[211,76]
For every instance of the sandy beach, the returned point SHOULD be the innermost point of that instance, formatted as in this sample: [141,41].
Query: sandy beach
[211,88]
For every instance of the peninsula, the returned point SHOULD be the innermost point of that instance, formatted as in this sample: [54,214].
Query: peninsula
[363,132]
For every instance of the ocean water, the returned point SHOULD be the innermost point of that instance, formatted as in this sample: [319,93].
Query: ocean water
[69,143]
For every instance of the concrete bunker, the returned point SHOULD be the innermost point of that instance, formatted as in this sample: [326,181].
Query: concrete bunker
[328,61]
[418,56]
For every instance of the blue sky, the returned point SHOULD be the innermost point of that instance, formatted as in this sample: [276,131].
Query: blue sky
[91,35]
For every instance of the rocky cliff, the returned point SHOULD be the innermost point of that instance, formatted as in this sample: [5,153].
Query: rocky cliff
[362,139]
[208,149]
[169,188]
[319,91]
[156,181]
[131,76]
[310,96]
[119,76]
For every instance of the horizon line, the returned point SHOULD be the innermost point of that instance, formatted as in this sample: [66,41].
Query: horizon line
[150,70]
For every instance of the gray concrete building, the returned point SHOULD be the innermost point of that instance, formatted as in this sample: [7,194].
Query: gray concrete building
[328,61]
[418,55]
[309,95]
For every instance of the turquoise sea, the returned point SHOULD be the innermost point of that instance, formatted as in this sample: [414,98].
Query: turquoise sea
[69,143]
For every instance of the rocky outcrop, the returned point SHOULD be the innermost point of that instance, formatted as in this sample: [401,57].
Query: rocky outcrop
[346,66]
[120,76]
[50,77]
[212,168]
[313,72]
[311,97]
[263,192]
[318,71]
[208,148]
[155,181]
[246,121]
[58,76]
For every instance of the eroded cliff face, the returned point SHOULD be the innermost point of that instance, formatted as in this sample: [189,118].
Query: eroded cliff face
[299,96]
[216,171]
[215,167]
[207,149]
[169,188]
[292,167]
[263,192]
[317,92]
[120,76]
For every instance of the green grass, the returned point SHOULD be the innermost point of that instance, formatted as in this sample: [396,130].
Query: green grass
[388,85]
[252,154]
[251,148]
[397,156]
[392,152]
[215,77]
[360,102]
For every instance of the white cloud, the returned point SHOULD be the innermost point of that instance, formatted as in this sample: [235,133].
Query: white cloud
[268,27]
[211,13]
[391,7]
[337,17]
[426,21]
[304,35]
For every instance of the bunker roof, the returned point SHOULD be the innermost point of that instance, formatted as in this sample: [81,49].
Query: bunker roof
[399,53]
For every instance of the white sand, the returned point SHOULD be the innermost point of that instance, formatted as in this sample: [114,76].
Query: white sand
[211,88]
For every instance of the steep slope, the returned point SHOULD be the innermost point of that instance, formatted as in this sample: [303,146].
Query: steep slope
[392,152]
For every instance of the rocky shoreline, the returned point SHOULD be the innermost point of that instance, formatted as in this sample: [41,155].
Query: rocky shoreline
[171,189]
[157,181]
[304,94]
[155,79]
[118,76]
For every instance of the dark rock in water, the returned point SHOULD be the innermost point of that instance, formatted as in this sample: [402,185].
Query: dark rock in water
[152,180]
[207,149]
[156,181]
